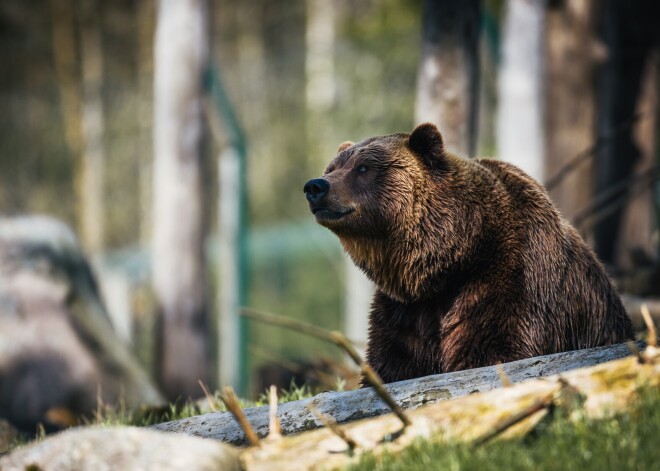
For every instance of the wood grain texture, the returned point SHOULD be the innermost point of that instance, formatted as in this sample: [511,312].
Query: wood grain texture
[411,394]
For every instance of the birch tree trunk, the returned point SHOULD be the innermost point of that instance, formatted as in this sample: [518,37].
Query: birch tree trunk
[178,260]
[520,112]
[447,84]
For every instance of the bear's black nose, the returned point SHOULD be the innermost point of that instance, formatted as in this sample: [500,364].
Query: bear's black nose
[316,189]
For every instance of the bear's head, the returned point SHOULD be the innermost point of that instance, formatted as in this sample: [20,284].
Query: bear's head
[390,201]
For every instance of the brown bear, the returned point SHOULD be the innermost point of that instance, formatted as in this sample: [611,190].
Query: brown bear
[472,262]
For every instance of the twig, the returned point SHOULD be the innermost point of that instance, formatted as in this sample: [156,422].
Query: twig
[99,403]
[374,380]
[589,153]
[342,342]
[231,402]
[288,323]
[333,426]
[208,396]
[274,428]
[503,377]
[598,207]
[653,337]
[515,418]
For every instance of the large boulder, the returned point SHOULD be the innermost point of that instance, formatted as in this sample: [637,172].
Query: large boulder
[124,449]
[59,355]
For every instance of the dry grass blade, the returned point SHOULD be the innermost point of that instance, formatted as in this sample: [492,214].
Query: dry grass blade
[653,337]
[503,377]
[274,428]
[231,402]
[207,394]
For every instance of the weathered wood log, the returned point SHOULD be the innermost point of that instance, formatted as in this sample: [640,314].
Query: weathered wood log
[598,391]
[594,392]
[348,406]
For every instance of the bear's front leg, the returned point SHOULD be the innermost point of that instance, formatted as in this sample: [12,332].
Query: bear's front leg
[488,332]
[404,339]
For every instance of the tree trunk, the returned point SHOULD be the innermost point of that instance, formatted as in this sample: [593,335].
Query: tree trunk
[448,85]
[520,113]
[572,55]
[178,259]
[65,58]
[638,244]
[146,10]
[629,32]
[93,165]
[362,403]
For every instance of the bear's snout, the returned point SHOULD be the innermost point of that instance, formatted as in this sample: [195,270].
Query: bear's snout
[316,189]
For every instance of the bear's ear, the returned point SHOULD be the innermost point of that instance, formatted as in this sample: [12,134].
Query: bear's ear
[343,146]
[426,141]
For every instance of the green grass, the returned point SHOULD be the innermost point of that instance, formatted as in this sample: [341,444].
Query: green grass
[120,415]
[626,442]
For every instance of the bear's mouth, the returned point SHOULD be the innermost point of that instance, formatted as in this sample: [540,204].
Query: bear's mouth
[327,214]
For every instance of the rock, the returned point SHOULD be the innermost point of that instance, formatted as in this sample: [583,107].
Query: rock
[58,352]
[122,448]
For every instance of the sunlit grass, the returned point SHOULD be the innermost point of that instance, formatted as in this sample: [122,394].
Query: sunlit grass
[629,441]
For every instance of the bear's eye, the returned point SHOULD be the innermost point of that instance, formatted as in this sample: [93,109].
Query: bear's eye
[361,168]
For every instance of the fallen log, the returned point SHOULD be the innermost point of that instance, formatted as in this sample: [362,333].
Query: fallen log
[595,392]
[349,406]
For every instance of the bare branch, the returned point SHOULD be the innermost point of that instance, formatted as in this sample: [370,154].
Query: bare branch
[329,422]
[231,402]
[342,342]
[207,394]
[512,420]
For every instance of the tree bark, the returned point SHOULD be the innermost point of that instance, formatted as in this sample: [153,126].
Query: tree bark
[638,245]
[596,392]
[520,137]
[363,403]
[573,53]
[93,159]
[146,10]
[178,260]
[65,58]
[448,80]
[629,32]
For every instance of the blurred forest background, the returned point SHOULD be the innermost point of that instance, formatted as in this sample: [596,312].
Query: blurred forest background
[567,89]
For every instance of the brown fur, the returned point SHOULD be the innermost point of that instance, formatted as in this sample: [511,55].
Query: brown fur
[472,261]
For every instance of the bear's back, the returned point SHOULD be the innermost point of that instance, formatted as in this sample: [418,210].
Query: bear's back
[565,284]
